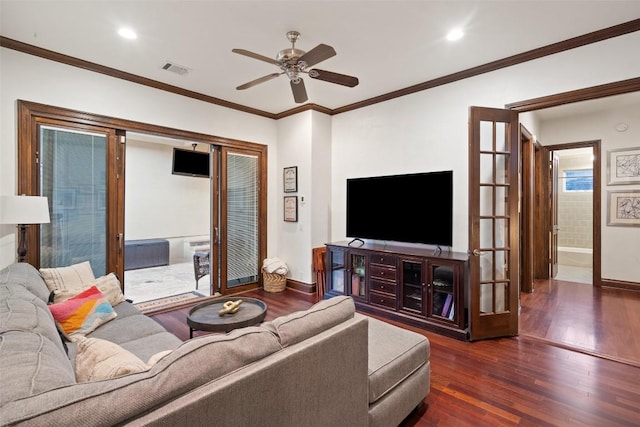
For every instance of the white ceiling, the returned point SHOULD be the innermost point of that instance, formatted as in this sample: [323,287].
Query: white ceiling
[388,45]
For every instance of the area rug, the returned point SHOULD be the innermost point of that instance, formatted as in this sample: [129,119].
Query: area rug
[159,303]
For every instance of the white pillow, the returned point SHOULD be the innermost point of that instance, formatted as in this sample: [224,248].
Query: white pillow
[74,277]
[109,285]
[98,359]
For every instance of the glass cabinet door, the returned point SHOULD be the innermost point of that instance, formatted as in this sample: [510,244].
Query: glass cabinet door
[337,271]
[412,284]
[358,275]
[443,299]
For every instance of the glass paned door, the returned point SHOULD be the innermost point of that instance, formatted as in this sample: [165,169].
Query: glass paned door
[493,222]
[73,175]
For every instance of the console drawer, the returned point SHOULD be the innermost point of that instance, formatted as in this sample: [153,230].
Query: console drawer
[382,299]
[383,259]
[382,272]
[383,287]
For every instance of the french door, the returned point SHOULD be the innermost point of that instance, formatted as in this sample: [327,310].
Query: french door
[493,222]
[78,172]
[87,200]
[240,203]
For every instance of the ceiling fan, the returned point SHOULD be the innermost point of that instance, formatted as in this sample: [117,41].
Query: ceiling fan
[294,62]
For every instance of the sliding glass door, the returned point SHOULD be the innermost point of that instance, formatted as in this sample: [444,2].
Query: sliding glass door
[73,177]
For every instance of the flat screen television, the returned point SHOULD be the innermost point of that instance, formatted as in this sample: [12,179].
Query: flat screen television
[190,163]
[412,208]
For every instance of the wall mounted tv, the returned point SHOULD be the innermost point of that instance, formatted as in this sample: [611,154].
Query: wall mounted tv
[412,208]
[190,163]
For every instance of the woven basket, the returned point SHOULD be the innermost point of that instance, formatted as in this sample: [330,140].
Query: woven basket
[273,282]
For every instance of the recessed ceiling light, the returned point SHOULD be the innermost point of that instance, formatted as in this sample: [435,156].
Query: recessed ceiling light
[127,33]
[455,34]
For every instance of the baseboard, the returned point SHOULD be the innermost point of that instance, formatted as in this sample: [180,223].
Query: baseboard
[305,288]
[620,284]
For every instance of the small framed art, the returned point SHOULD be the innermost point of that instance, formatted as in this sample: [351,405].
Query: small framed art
[623,208]
[623,166]
[290,179]
[291,208]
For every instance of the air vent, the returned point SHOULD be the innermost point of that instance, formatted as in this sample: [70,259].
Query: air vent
[175,68]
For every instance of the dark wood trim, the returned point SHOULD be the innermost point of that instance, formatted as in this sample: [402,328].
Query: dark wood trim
[59,113]
[594,92]
[112,72]
[572,43]
[620,284]
[527,198]
[305,288]
[597,203]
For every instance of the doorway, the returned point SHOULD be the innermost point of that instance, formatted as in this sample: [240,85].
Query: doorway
[574,228]
[560,224]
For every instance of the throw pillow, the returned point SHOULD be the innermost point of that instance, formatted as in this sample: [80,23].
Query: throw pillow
[76,276]
[99,359]
[83,313]
[109,285]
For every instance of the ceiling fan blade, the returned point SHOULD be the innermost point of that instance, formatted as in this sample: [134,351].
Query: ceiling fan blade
[258,81]
[331,77]
[256,56]
[299,91]
[317,54]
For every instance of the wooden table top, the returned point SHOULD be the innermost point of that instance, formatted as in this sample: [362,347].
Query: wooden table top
[205,317]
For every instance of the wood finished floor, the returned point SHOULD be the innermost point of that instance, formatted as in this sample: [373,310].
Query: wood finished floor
[601,321]
[519,381]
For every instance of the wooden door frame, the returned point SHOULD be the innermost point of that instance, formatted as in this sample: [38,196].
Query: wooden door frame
[563,98]
[29,112]
[527,203]
[595,145]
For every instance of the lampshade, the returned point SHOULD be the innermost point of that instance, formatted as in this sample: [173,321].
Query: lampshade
[24,210]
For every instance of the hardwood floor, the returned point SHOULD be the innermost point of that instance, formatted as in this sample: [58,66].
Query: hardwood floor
[600,321]
[502,382]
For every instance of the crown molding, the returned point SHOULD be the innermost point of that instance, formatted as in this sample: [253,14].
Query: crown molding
[593,37]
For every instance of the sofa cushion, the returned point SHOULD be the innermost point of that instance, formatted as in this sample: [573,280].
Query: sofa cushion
[76,276]
[394,354]
[82,313]
[109,285]
[31,363]
[28,277]
[98,359]
[20,310]
[299,326]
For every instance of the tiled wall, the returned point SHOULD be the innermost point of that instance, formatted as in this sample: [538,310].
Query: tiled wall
[575,209]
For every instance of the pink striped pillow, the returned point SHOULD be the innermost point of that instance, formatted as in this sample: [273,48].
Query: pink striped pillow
[83,313]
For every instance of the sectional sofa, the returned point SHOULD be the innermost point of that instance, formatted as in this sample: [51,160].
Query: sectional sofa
[326,366]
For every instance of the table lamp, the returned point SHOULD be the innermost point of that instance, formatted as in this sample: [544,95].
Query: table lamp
[23,210]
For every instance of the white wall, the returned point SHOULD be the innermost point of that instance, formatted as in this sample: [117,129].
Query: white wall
[158,204]
[294,149]
[620,245]
[34,79]
[428,131]
[425,131]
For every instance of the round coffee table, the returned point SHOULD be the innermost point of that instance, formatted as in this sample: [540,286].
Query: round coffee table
[205,317]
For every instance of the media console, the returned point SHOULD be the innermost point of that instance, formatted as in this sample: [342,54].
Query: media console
[416,286]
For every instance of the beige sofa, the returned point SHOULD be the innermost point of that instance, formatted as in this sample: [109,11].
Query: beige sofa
[326,366]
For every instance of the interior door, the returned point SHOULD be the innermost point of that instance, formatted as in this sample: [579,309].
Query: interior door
[555,228]
[493,222]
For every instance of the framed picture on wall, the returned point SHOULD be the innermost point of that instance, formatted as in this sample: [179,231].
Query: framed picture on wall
[291,179]
[623,208]
[291,208]
[623,166]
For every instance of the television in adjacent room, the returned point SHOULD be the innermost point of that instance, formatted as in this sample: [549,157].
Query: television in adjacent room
[190,163]
[410,208]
